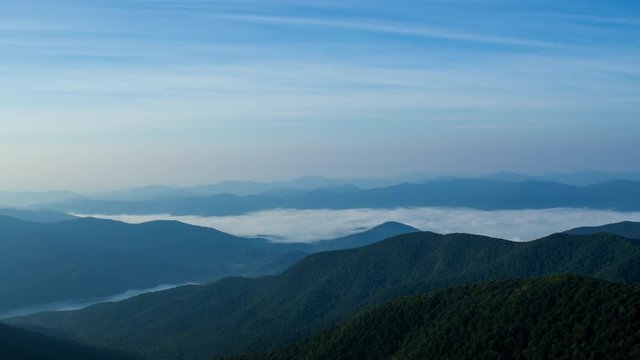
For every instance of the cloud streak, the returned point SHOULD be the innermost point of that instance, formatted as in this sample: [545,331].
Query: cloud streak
[82,80]
[605,20]
[388,28]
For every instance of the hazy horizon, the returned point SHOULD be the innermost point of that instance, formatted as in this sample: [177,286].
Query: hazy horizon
[385,179]
[481,125]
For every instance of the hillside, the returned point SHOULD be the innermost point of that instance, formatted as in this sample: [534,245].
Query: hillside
[562,317]
[87,258]
[280,262]
[627,229]
[237,315]
[90,257]
[18,344]
[291,253]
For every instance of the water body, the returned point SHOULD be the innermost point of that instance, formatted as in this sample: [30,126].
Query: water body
[78,304]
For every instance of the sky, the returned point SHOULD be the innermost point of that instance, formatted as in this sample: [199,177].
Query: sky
[99,94]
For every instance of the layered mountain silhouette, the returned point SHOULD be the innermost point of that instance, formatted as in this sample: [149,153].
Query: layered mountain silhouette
[471,193]
[241,315]
[561,317]
[580,178]
[86,258]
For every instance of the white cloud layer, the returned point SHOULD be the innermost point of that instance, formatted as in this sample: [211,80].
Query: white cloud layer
[290,225]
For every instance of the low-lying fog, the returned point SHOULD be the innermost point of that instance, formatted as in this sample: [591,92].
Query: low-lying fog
[289,225]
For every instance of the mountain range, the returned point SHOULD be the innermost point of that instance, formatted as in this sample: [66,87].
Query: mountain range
[242,315]
[289,189]
[579,178]
[86,258]
[469,193]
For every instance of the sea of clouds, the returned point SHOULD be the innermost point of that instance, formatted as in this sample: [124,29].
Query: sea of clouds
[290,225]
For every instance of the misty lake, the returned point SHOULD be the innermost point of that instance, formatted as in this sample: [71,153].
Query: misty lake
[78,304]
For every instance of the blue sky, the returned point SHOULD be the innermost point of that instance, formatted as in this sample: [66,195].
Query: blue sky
[97,94]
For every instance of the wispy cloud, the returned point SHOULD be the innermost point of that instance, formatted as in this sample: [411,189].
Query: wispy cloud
[606,20]
[205,5]
[18,26]
[389,28]
[106,75]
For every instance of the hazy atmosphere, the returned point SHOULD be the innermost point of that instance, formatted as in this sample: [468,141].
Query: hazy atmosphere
[319,179]
[100,94]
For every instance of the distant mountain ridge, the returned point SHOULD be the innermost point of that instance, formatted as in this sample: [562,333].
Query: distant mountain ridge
[239,315]
[470,193]
[296,185]
[580,178]
[560,317]
[241,188]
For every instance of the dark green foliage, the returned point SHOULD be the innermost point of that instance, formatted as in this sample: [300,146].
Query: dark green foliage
[18,344]
[237,315]
[627,229]
[564,317]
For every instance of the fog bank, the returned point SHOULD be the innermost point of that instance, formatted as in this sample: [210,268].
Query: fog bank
[289,225]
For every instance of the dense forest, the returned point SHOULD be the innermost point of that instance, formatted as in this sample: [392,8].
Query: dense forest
[240,315]
[562,317]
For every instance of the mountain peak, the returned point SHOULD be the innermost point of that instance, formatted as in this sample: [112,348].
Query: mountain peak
[388,225]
